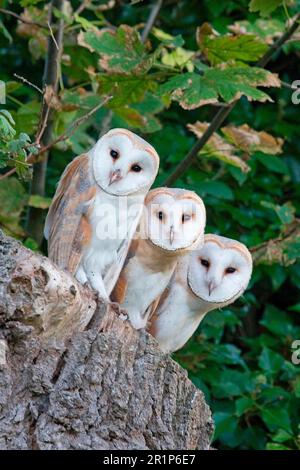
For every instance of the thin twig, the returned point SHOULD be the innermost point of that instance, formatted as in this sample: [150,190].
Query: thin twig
[52,35]
[24,80]
[64,136]
[82,6]
[23,20]
[70,131]
[224,112]
[151,20]
[7,174]
[42,124]
[288,85]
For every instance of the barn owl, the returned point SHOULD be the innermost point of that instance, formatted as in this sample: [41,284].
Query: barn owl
[206,279]
[97,206]
[172,224]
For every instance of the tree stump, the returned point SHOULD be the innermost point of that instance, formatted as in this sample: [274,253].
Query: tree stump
[74,374]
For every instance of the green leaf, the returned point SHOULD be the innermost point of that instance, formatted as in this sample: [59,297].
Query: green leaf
[273,163]
[244,404]
[286,212]
[224,423]
[126,89]
[270,361]
[217,189]
[276,417]
[237,48]
[27,3]
[277,322]
[120,51]
[264,7]
[7,131]
[281,436]
[192,90]
[13,193]
[268,30]
[39,202]
[276,446]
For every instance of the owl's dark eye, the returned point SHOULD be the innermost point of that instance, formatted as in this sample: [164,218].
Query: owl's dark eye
[136,168]
[114,154]
[230,270]
[185,218]
[160,215]
[204,262]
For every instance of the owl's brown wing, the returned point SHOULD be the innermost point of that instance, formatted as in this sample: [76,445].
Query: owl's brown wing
[67,226]
[119,290]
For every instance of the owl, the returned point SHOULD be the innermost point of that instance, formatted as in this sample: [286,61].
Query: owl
[172,224]
[97,206]
[208,278]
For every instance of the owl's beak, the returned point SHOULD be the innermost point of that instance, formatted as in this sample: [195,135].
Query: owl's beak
[211,286]
[171,234]
[115,176]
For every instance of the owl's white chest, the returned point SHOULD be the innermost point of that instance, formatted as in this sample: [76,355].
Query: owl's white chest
[179,317]
[144,286]
[113,221]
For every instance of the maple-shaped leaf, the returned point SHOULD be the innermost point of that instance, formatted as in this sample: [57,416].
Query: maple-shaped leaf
[121,51]
[125,89]
[249,140]
[264,7]
[218,147]
[193,90]
[235,48]
[267,30]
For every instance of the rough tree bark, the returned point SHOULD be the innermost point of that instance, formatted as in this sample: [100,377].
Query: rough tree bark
[75,375]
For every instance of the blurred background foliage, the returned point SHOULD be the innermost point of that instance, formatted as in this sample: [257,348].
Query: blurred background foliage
[197,58]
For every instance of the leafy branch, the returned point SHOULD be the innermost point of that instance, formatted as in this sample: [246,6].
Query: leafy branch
[224,112]
[280,249]
[22,19]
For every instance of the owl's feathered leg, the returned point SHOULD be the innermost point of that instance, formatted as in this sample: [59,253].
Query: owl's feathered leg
[94,280]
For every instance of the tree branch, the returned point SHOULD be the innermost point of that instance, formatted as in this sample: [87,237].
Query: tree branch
[274,250]
[20,18]
[32,85]
[51,75]
[151,20]
[224,112]
[64,136]
[82,377]
[70,131]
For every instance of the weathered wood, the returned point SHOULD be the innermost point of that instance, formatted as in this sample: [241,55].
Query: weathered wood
[78,376]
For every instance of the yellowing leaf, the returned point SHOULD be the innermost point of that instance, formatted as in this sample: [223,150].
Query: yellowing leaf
[167,39]
[179,58]
[218,147]
[249,140]
[193,90]
[268,30]
[283,250]
[221,49]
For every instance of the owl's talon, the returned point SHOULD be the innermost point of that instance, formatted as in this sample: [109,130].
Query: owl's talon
[122,314]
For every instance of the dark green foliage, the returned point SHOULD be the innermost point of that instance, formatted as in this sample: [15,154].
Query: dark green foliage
[195,60]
